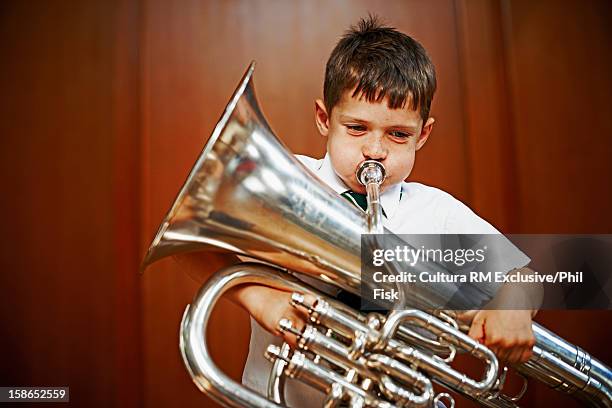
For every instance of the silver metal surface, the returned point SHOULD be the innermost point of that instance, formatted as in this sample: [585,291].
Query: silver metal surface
[385,338]
[193,336]
[246,194]
[371,174]
[569,369]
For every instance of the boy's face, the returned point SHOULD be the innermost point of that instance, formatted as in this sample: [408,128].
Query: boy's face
[358,130]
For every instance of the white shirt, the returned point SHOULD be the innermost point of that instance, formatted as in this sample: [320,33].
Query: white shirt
[410,208]
[421,209]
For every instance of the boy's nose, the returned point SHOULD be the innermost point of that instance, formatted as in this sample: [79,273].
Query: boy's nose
[373,148]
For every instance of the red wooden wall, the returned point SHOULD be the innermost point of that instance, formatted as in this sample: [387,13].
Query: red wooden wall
[107,104]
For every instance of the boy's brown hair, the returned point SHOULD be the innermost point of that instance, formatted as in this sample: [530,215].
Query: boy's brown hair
[379,61]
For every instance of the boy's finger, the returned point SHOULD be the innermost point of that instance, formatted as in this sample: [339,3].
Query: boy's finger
[495,350]
[290,330]
[502,353]
[477,329]
[290,339]
[302,312]
[514,356]
[525,356]
[467,316]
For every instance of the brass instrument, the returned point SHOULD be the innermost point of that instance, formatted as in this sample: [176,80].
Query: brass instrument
[247,195]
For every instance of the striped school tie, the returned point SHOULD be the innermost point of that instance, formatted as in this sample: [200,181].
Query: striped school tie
[359,200]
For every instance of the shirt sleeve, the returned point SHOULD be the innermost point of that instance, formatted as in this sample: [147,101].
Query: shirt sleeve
[462,220]
[501,254]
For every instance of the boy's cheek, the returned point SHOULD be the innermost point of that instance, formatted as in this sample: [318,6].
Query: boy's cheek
[344,154]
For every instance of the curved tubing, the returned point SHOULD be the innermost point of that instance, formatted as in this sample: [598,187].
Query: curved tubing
[194,347]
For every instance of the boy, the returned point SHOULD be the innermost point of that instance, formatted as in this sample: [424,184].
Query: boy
[379,85]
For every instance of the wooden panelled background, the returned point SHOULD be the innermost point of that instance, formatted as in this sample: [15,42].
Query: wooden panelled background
[106,104]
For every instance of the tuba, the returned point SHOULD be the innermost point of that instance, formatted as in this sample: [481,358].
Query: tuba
[247,195]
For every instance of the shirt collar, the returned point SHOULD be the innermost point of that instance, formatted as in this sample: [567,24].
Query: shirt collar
[389,199]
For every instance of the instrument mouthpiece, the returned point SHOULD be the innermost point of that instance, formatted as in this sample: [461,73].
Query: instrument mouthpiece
[371,171]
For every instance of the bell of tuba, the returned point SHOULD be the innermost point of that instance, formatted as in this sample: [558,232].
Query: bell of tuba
[247,195]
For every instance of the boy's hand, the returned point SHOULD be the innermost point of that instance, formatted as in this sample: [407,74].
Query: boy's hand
[502,328]
[507,333]
[268,306]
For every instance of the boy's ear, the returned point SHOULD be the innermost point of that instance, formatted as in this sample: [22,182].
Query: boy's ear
[427,127]
[321,118]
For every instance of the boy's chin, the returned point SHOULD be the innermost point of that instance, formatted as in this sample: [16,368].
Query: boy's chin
[357,188]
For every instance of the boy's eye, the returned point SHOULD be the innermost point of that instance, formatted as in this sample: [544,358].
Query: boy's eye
[356,128]
[399,135]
